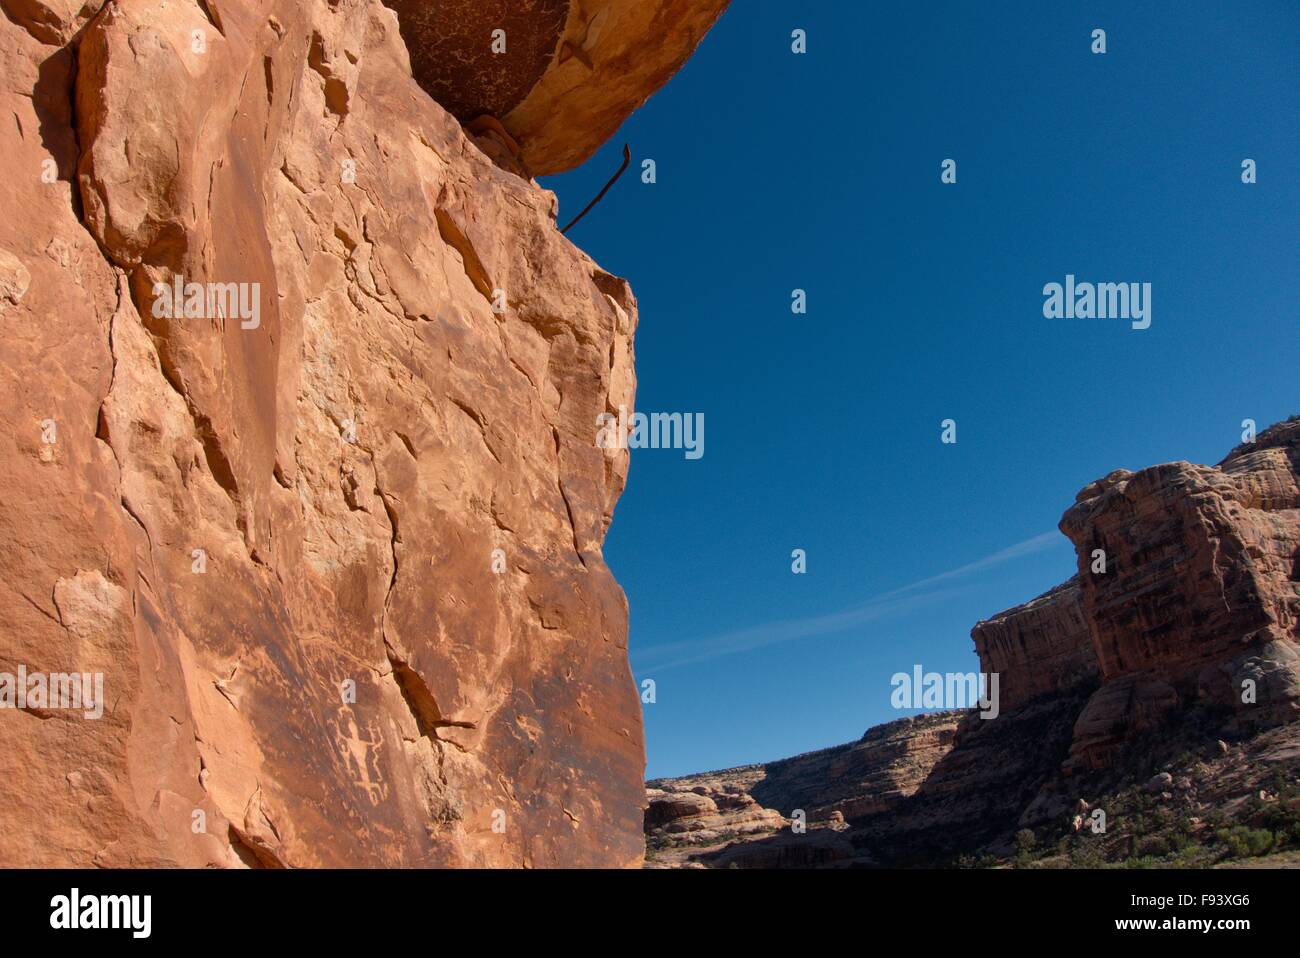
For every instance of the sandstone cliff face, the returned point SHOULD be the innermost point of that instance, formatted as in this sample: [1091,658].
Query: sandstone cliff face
[1191,634]
[1188,592]
[1200,593]
[700,811]
[696,819]
[335,546]
[1037,648]
[888,763]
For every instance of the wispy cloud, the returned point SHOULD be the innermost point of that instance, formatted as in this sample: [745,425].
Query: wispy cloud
[923,592]
[1028,547]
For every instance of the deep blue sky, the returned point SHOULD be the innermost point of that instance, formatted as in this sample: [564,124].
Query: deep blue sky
[821,171]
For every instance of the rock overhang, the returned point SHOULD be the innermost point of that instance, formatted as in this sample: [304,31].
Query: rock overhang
[560,75]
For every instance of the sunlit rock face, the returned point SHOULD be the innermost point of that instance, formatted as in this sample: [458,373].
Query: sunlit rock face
[1200,592]
[1182,621]
[299,413]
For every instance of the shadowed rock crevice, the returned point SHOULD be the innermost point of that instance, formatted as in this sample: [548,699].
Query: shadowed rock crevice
[251,853]
[457,240]
[423,706]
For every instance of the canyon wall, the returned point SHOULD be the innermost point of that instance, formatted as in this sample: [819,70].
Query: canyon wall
[328,522]
[1181,628]
[1187,594]
[1039,647]
[1200,591]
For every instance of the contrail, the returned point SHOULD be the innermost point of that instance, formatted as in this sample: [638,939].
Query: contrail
[889,603]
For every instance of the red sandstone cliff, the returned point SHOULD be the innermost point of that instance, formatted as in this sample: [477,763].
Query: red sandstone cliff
[1039,647]
[338,559]
[1187,635]
[1201,590]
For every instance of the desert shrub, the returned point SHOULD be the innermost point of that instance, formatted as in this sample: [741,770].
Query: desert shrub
[1242,842]
[1155,846]
[1087,855]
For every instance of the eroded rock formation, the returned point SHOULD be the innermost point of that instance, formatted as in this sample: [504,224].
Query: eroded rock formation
[560,76]
[1181,628]
[1039,647]
[700,812]
[1200,593]
[743,815]
[299,406]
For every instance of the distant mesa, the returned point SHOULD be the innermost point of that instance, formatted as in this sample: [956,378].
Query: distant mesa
[1172,656]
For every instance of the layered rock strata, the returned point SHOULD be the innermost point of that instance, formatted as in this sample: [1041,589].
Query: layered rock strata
[743,816]
[1180,628]
[1037,648]
[1199,600]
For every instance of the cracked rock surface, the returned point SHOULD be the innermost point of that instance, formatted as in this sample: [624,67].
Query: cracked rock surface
[339,561]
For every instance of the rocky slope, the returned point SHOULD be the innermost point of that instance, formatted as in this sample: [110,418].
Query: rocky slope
[328,523]
[1159,687]
[700,817]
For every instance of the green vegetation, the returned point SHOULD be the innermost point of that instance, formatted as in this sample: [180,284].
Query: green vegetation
[1170,830]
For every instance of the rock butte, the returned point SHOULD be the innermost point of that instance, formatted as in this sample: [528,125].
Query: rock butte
[1201,596]
[277,543]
